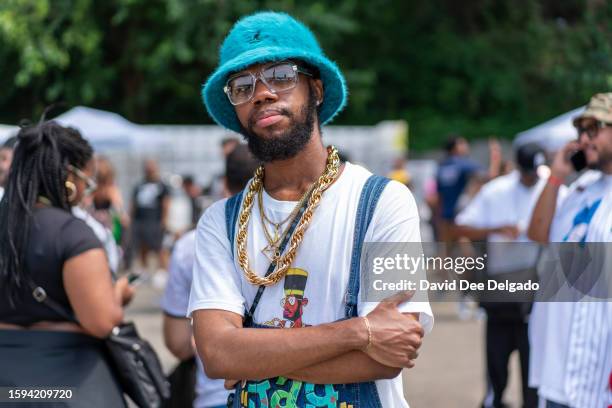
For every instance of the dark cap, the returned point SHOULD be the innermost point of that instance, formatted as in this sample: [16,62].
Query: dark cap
[530,156]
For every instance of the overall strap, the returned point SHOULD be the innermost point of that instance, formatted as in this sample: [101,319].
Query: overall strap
[372,189]
[232,208]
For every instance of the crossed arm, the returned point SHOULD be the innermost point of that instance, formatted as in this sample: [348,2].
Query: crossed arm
[328,353]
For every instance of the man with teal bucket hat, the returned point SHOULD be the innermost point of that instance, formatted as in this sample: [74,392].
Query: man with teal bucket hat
[304,214]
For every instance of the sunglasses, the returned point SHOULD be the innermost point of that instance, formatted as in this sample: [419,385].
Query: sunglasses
[90,184]
[592,129]
[278,77]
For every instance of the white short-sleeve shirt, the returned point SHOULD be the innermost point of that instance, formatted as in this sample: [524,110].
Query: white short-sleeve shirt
[321,268]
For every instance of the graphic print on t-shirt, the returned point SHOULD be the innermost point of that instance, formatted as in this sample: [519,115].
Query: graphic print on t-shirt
[293,302]
[147,196]
[580,224]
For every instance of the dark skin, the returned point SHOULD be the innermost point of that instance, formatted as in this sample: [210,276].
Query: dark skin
[328,353]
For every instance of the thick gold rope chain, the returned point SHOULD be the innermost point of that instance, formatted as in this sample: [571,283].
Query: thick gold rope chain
[283,262]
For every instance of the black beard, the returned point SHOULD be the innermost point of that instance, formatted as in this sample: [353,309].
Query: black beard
[288,144]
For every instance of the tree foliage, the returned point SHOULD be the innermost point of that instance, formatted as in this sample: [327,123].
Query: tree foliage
[477,67]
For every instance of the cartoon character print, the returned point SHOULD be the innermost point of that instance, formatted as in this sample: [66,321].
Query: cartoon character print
[294,301]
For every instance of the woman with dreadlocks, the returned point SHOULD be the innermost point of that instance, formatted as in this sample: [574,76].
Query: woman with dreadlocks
[47,254]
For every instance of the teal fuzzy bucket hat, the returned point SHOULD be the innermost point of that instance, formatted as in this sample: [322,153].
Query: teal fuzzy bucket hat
[267,37]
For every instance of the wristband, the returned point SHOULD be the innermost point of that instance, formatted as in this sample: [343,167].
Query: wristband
[367,324]
[555,181]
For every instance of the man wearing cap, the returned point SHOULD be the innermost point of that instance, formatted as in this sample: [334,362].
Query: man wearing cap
[571,355]
[499,214]
[304,210]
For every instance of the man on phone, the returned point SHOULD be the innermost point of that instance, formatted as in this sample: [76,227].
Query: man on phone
[572,341]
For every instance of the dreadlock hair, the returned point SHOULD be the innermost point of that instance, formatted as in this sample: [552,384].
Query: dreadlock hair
[39,169]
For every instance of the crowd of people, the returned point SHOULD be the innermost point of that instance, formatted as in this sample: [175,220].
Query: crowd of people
[279,247]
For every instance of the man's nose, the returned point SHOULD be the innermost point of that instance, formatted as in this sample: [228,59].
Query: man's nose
[583,139]
[263,94]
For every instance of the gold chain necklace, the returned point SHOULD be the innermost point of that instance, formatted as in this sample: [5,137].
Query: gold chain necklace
[282,262]
[271,251]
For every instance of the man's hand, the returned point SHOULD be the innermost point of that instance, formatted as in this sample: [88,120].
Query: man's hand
[396,337]
[230,384]
[561,167]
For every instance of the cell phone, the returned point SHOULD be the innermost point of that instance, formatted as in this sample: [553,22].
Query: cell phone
[578,160]
[135,279]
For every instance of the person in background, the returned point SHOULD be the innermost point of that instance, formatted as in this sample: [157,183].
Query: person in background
[178,337]
[215,190]
[6,157]
[194,192]
[571,341]
[399,172]
[46,253]
[499,214]
[150,203]
[228,145]
[454,173]
[103,233]
[107,201]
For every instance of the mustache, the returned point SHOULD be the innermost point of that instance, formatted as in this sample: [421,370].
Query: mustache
[279,111]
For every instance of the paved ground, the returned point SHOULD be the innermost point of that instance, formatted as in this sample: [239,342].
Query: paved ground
[449,371]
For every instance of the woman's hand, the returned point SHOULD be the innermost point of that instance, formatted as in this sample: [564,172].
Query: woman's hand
[123,291]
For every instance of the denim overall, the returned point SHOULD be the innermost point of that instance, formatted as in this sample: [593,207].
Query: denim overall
[282,392]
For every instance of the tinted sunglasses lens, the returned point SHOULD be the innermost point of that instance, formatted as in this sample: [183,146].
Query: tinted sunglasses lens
[240,89]
[280,77]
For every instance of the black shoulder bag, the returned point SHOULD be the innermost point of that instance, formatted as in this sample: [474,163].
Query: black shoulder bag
[136,364]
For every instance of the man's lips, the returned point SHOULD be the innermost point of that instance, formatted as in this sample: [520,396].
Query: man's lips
[267,118]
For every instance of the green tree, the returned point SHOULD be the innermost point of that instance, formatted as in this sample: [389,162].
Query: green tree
[478,67]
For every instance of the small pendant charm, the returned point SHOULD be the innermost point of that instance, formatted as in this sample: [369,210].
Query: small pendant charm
[271,252]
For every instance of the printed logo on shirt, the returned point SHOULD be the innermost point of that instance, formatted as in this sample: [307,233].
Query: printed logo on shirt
[580,224]
[294,301]
[147,195]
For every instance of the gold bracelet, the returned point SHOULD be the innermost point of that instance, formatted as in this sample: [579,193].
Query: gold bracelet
[367,324]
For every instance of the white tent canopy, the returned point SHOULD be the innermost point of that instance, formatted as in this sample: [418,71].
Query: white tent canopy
[104,130]
[7,131]
[553,134]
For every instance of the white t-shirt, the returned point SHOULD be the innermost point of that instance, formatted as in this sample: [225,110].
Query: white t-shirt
[104,235]
[504,201]
[321,268]
[553,325]
[209,393]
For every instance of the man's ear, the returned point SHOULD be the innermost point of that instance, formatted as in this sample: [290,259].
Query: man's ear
[317,86]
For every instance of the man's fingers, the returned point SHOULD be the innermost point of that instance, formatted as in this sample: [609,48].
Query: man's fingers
[230,384]
[399,297]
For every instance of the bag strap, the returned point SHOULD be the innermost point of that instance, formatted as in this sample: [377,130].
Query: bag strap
[232,209]
[40,295]
[370,193]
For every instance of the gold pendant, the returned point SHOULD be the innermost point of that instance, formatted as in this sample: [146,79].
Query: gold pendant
[271,252]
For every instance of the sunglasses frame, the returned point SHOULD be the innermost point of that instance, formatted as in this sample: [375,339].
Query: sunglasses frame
[90,183]
[599,124]
[259,76]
